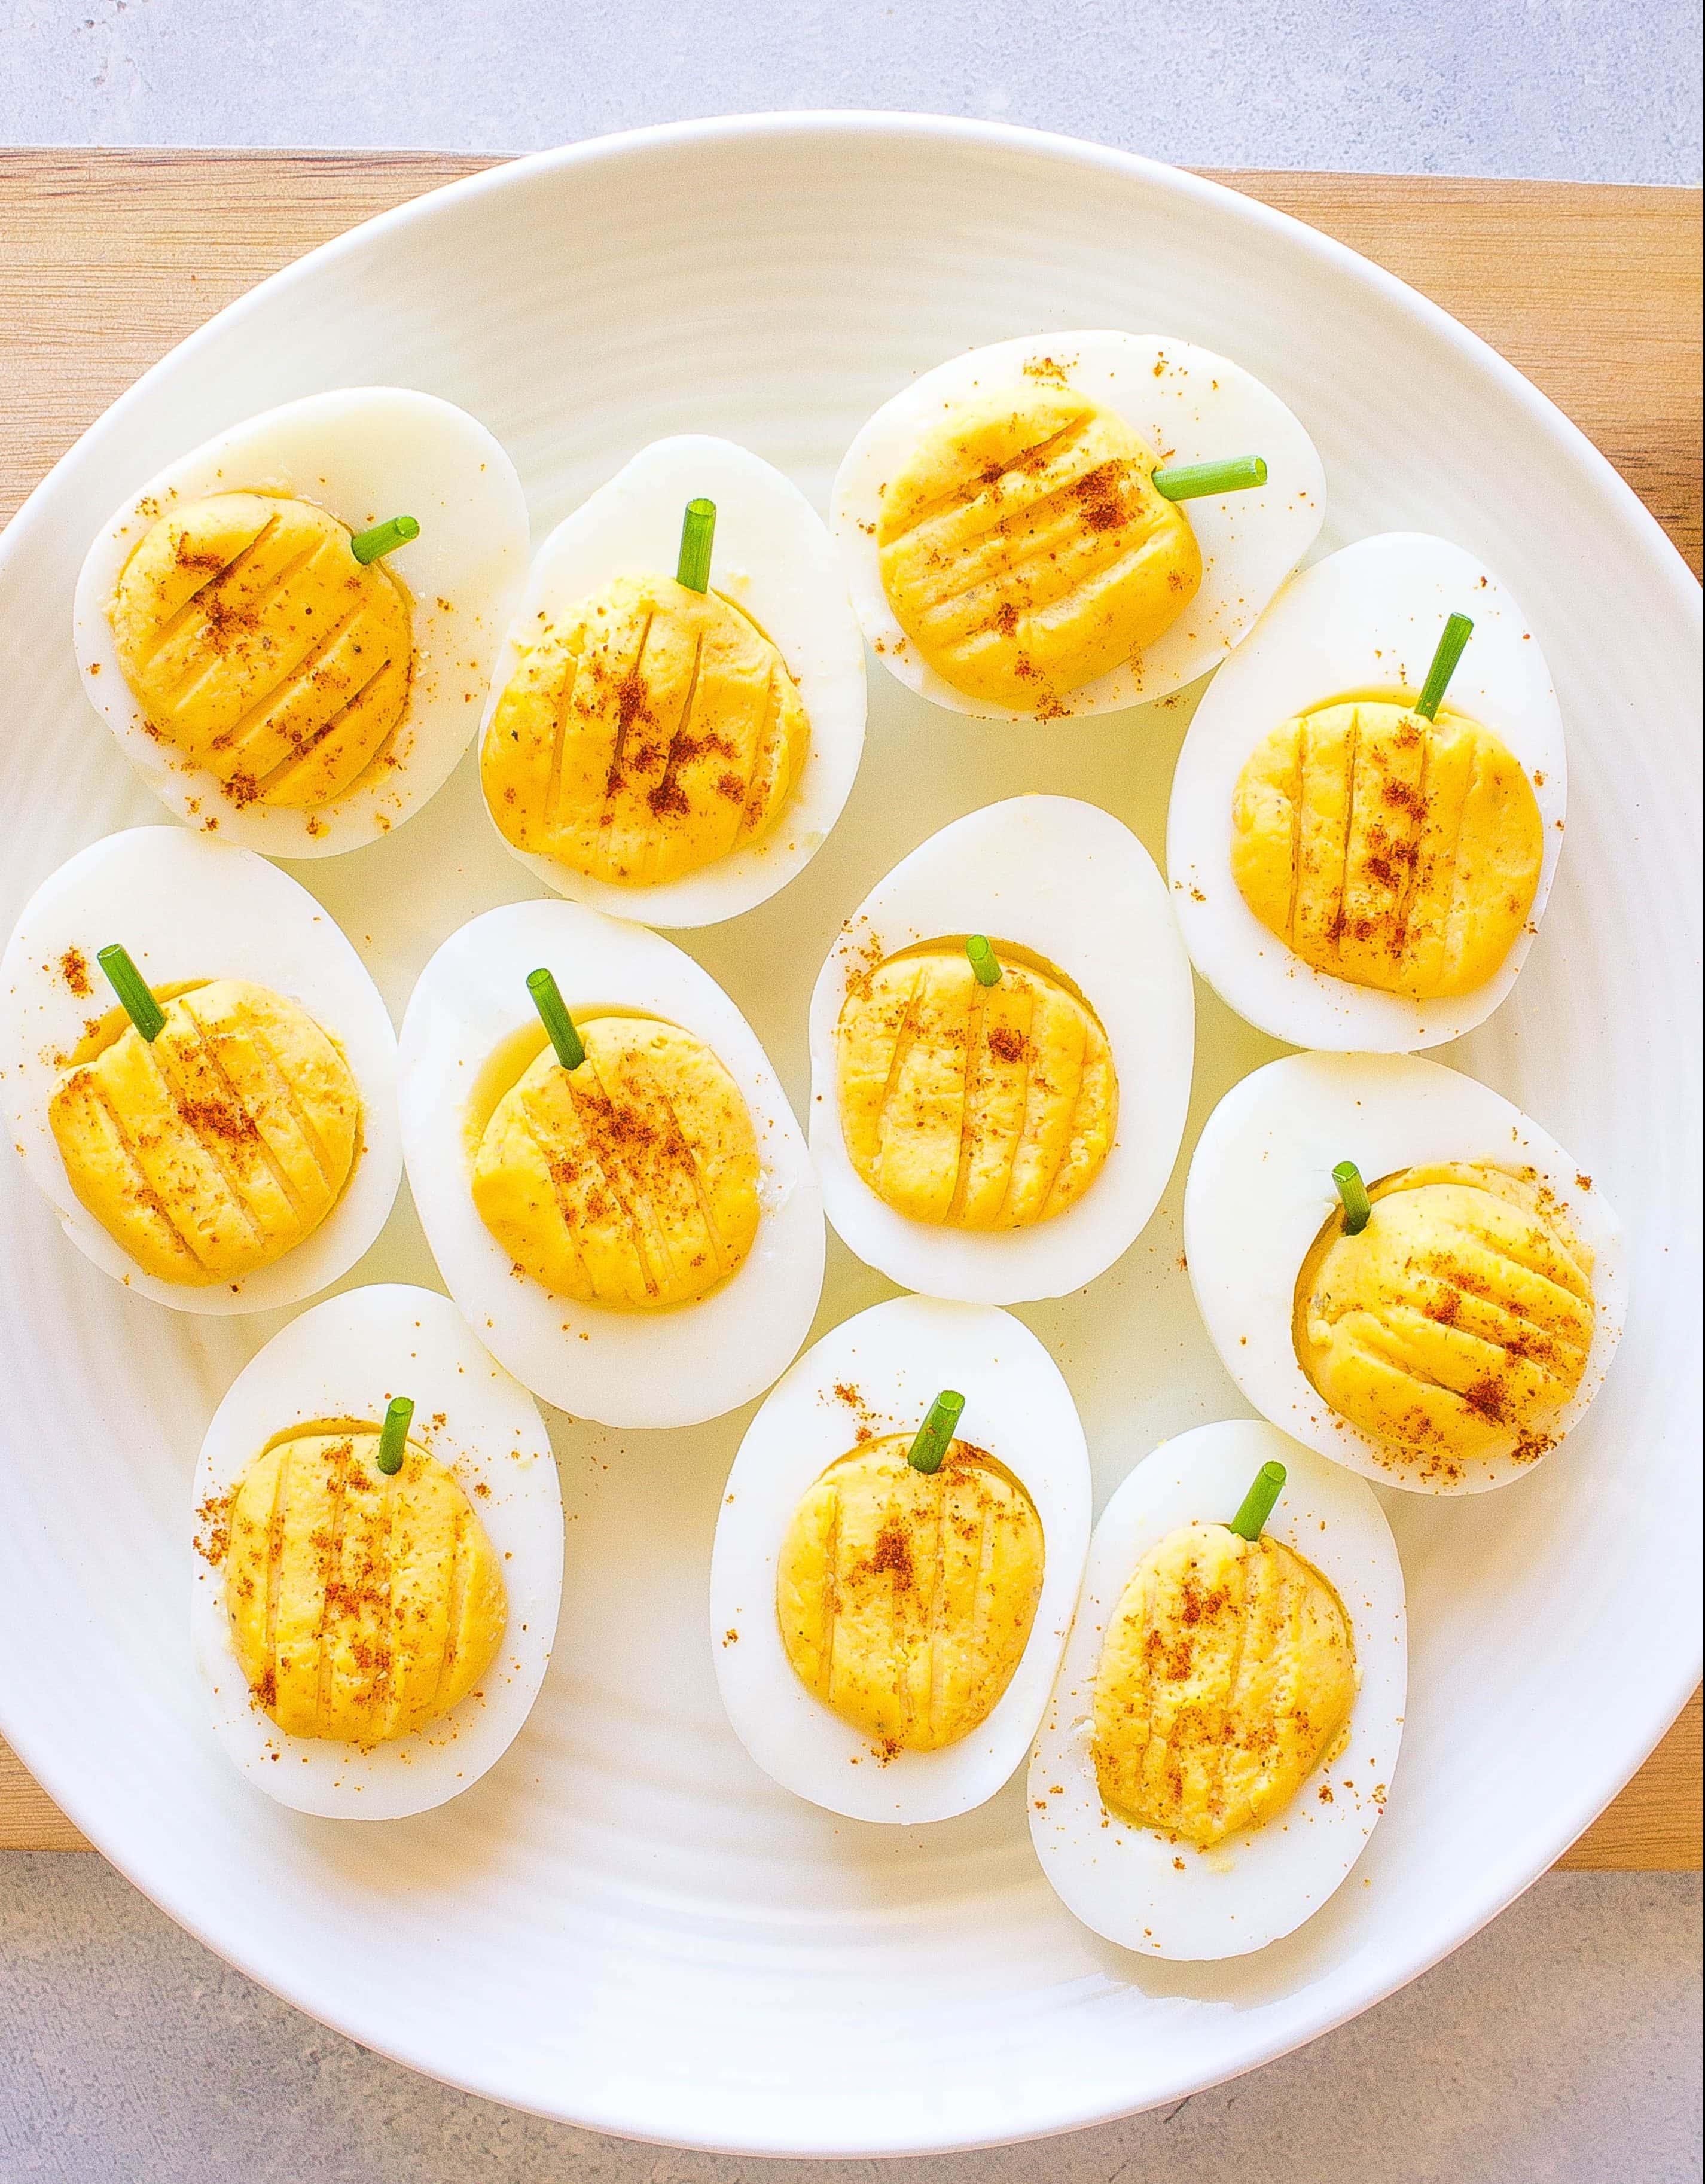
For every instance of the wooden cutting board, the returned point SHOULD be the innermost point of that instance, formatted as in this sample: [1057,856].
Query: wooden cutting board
[107,259]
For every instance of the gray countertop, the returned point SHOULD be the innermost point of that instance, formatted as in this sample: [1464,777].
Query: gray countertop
[1561,2045]
[1571,90]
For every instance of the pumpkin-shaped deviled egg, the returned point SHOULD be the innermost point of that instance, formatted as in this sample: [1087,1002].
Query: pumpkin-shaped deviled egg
[290,630]
[1223,1737]
[898,1550]
[609,1176]
[1368,807]
[378,1535]
[1001,1048]
[1072,523]
[677,713]
[1401,1270]
[200,1074]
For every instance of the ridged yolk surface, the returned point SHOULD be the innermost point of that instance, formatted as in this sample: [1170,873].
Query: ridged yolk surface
[632,1181]
[1025,551]
[1456,1322]
[653,730]
[362,1607]
[905,1598]
[256,642]
[969,1105]
[1387,850]
[220,1145]
[1227,1671]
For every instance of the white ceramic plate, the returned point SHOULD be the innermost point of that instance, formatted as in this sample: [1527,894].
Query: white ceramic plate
[624,1923]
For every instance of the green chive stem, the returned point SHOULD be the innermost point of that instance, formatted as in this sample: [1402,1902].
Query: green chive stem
[1458,630]
[393,1435]
[1357,1206]
[553,1015]
[1257,1506]
[698,531]
[128,983]
[935,1435]
[383,538]
[1192,481]
[983,961]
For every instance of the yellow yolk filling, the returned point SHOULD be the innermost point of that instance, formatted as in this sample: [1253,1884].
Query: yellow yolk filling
[220,1145]
[257,643]
[362,1607]
[1387,850]
[652,732]
[1227,1670]
[1458,1320]
[970,1106]
[1025,551]
[905,1597]
[632,1181]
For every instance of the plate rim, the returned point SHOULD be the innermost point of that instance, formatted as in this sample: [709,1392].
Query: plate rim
[1505,1876]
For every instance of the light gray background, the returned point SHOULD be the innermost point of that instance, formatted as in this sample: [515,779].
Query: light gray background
[1560,2046]
[1575,90]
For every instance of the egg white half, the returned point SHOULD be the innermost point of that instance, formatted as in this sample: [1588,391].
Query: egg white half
[1068,882]
[895,1359]
[364,453]
[1153,1893]
[773,560]
[346,1359]
[1192,406]
[626,1368]
[188,907]
[1364,621]
[1261,1187]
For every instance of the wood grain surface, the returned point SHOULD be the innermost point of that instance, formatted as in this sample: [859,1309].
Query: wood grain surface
[109,259]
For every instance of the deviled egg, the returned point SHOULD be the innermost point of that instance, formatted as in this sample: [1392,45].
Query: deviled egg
[199,1073]
[291,628]
[1223,1735]
[1401,1270]
[1001,1046]
[378,1568]
[609,1175]
[1369,806]
[670,735]
[1072,523]
[899,1548]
